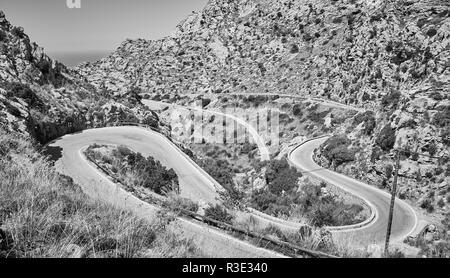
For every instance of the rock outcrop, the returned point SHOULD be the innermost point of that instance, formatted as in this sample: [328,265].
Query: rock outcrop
[43,98]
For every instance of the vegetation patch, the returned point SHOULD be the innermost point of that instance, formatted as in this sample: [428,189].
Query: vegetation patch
[219,213]
[286,197]
[132,168]
[368,118]
[337,150]
[386,138]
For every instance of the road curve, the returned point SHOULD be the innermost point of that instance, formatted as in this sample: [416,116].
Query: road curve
[404,221]
[262,147]
[69,160]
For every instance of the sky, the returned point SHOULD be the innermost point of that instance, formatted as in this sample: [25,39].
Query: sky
[98,27]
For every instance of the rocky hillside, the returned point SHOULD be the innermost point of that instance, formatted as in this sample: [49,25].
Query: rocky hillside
[43,98]
[389,57]
[350,51]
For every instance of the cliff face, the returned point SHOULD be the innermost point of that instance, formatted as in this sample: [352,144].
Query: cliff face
[389,57]
[42,98]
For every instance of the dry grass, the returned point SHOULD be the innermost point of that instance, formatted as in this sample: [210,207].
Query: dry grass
[45,215]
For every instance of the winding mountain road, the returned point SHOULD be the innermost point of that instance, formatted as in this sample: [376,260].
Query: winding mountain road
[371,231]
[197,185]
[404,220]
[69,160]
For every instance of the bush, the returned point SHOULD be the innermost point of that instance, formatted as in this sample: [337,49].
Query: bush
[386,138]
[44,66]
[262,200]
[368,118]
[445,135]
[389,170]
[280,176]
[294,49]
[317,117]
[219,213]
[136,170]
[151,121]
[177,203]
[134,95]
[297,110]
[205,102]
[432,32]
[442,118]
[396,254]
[336,150]
[220,170]
[391,99]
[18,32]
[3,36]
[428,205]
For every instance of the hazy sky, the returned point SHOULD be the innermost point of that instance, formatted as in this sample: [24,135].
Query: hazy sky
[99,26]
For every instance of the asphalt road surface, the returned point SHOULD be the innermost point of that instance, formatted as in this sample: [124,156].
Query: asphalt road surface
[404,220]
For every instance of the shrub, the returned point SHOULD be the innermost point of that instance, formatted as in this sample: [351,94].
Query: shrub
[294,49]
[317,117]
[176,202]
[151,121]
[368,118]
[432,148]
[336,150]
[391,99]
[205,102]
[432,32]
[445,135]
[138,170]
[297,110]
[327,210]
[427,204]
[442,118]
[396,254]
[389,170]
[386,138]
[220,170]
[18,32]
[262,199]
[44,66]
[134,95]
[219,213]
[3,36]
[280,176]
